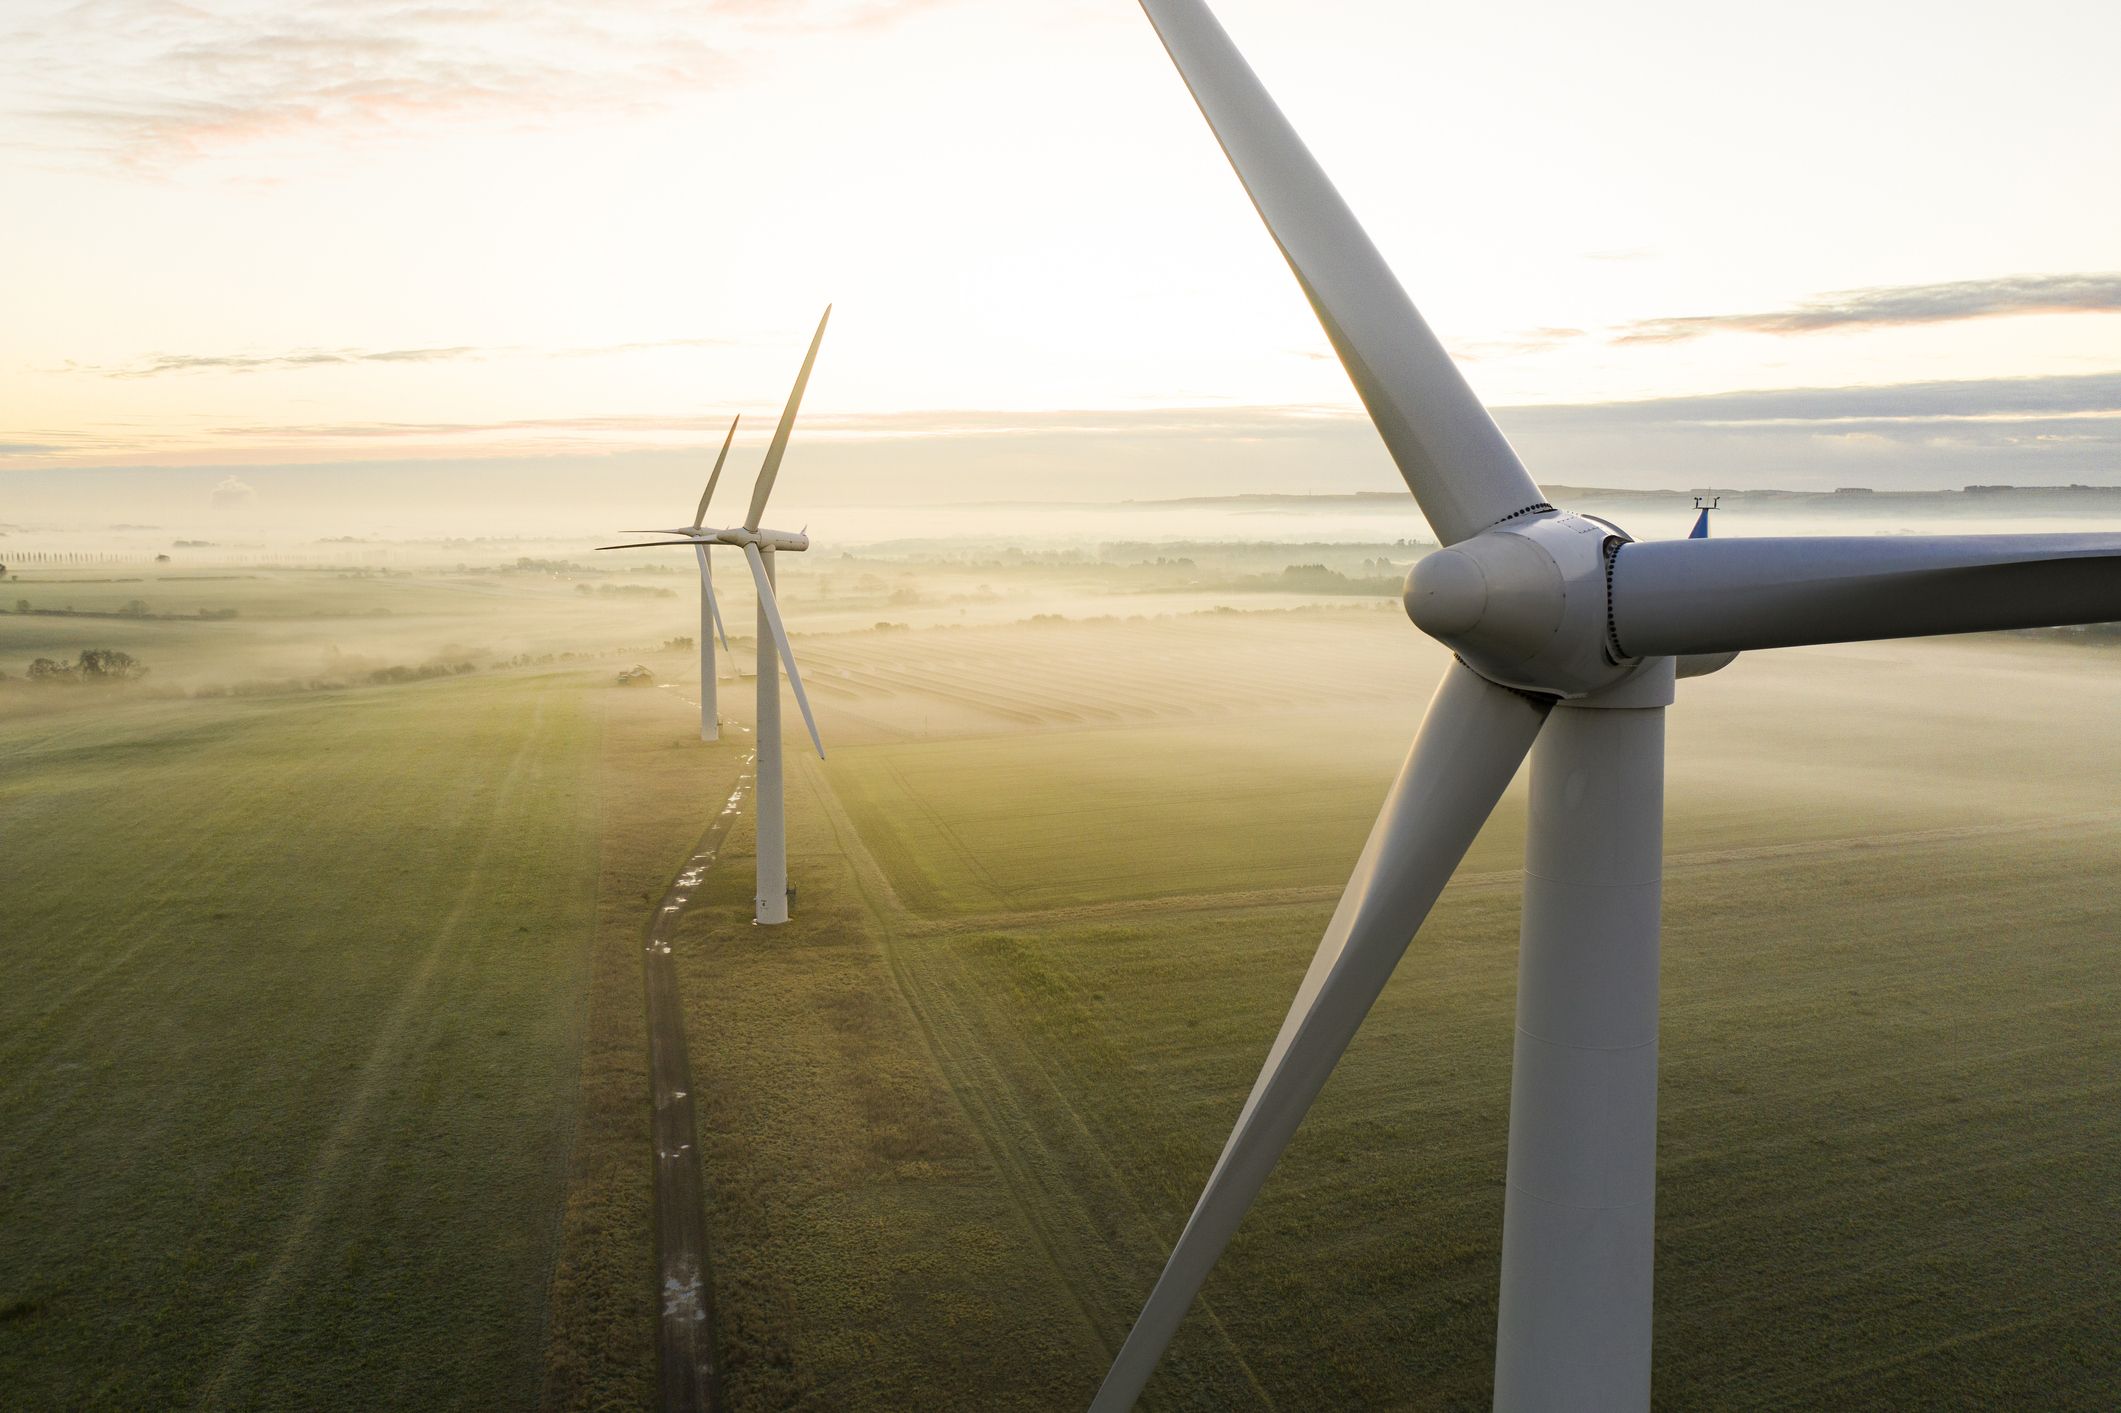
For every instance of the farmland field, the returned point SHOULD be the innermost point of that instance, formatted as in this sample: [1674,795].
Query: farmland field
[283,979]
[325,1082]
[1045,952]
[295,1107]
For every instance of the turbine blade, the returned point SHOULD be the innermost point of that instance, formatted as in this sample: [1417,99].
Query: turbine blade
[707,590]
[715,475]
[1470,744]
[648,544]
[1455,460]
[1672,597]
[780,640]
[771,467]
[714,607]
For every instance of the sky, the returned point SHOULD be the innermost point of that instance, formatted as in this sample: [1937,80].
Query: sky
[353,243]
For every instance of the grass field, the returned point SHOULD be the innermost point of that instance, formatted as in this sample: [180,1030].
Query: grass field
[321,1059]
[962,1105]
[288,983]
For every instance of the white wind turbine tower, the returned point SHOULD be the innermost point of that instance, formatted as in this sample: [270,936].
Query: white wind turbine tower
[770,906]
[1567,634]
[710,611]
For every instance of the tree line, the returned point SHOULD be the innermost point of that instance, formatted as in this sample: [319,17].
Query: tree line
[100,666]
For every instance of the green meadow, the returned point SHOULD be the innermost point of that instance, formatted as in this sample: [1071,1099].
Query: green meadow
[324,1074]
[322,1047]
[961,1106]
[290,984]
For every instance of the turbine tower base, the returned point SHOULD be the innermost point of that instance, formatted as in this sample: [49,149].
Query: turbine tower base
[710,718]
[1578,1213]
[770,903]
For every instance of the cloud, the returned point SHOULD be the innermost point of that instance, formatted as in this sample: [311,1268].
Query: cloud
[2022,430]
[232,493]
[149,85]
[2044,430]
[1898,305]
[157,364]
[2001,410]
[1522,344]
[646,346]
[2001,400]
[1181,423]
[162,363]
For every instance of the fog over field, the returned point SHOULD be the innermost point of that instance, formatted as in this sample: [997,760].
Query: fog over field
[1091,795]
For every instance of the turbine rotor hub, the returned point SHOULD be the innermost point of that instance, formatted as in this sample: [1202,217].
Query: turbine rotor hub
[1524,603]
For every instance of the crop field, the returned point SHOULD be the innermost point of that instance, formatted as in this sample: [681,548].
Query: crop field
[958,1110]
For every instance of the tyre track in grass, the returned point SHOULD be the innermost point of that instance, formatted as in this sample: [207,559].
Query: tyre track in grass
[988,1095]
[395,1034]
[882,902]
[688,1372]
[1160,906]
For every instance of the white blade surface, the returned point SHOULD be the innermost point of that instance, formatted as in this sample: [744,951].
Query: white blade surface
[1454,458]
[700,515]
[1470,744]
[1672,597]
[778,448]
[714,607]
[780,640]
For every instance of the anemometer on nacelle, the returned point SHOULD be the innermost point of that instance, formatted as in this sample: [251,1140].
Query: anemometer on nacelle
[1701,521]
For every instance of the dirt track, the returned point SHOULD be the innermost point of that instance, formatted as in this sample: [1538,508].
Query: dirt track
[688,1373]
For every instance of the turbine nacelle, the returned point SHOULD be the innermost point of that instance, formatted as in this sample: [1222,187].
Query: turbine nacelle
[779,541]
[784,541]
[1527,604]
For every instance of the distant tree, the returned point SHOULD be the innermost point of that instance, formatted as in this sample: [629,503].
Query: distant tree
[22,605]
[108,665]
[161,559]
[134,608]
[46,670]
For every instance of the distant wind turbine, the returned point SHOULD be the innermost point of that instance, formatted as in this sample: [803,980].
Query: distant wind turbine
[770,906]
[1570,634]
[710,611]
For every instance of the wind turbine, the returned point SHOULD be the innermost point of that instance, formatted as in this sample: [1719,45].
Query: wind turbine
[770,906]
[1568,636]
[710,611]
